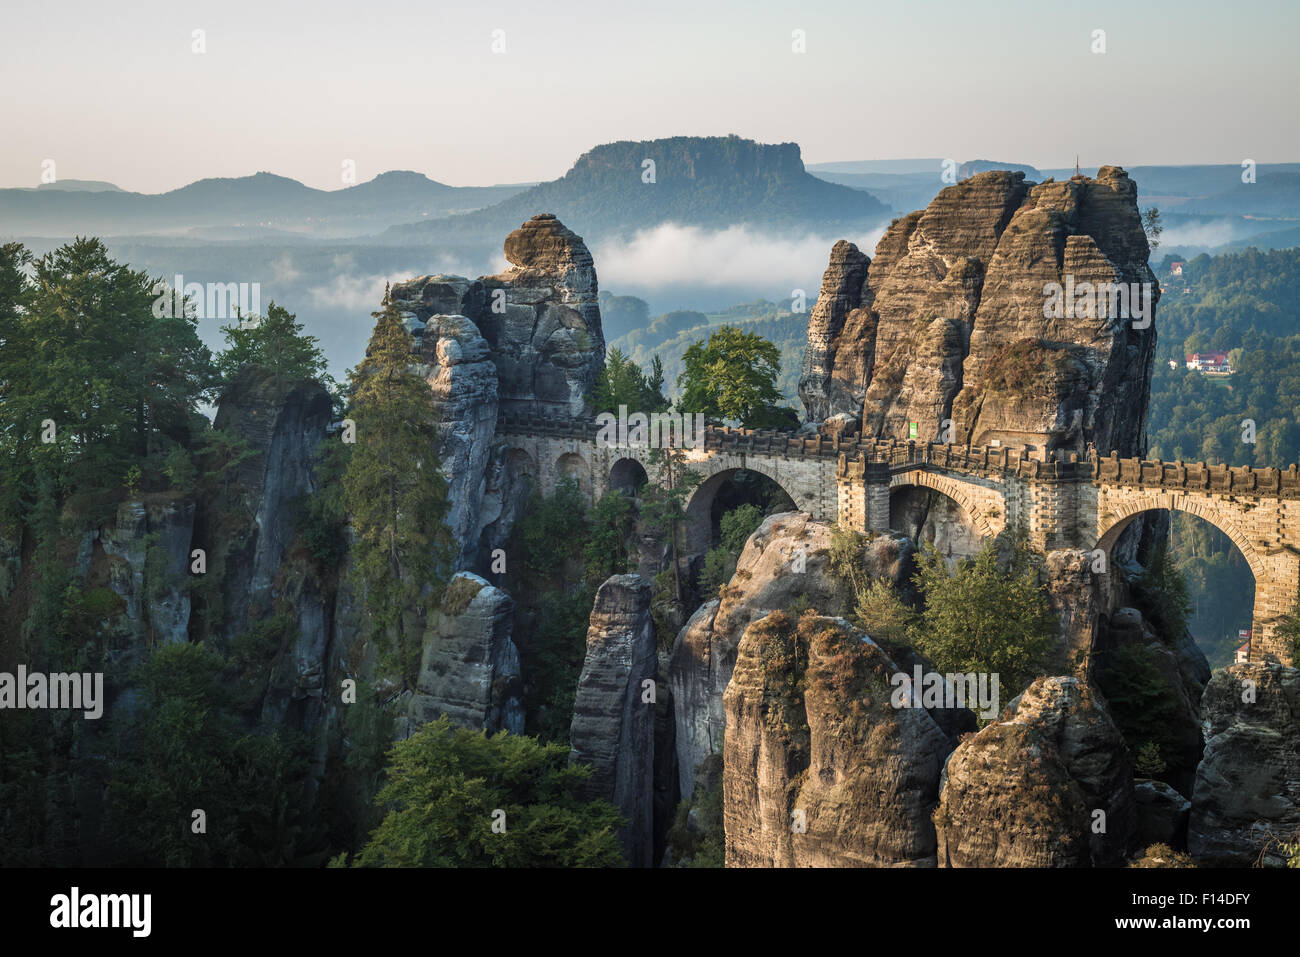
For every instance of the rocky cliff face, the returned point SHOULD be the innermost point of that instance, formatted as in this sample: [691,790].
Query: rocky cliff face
[820,768]
[1026,790]
[704,653]
[548,340]
[1247,792]
[539,319]
[526,341]
[945,328]
[248,532]
[469,669]
[145,555]
[786,561]
[613,728]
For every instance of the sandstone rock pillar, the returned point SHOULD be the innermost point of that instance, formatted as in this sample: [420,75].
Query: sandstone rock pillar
[614,716]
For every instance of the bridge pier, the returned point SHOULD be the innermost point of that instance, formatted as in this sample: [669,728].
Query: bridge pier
[862,494]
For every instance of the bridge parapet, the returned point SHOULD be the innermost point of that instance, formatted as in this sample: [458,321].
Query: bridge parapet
[1198,477]
[1059,500]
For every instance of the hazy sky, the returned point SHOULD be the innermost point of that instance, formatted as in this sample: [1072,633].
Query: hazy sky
[114,91]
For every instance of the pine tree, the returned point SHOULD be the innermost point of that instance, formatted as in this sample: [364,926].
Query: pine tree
[396,495]
[275,342]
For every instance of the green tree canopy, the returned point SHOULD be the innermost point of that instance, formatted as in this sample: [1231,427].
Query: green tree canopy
[732,377]
[184,750]
[82,351]
[446,787]
[275,342]
[623,382]
[982,617]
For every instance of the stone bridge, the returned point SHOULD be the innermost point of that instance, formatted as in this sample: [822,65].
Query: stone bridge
[1056,501]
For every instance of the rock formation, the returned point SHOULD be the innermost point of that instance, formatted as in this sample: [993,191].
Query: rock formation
[1247,793]
[1026,790]
[469,669]
[526,341]
[145,553]
[820,768]
[705,650]
[1162,814]
[282,423]
[786,561]
[613,727]
[457,364]
[841,294]
[946,327]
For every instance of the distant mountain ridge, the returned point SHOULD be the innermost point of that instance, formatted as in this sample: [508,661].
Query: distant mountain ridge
[258,202]
[711,182]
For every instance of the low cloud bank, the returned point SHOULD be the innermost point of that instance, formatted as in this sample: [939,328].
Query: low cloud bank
[770,263]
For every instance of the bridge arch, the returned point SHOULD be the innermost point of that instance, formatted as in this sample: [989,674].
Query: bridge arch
[983,508]
[1120,514]
[628,475]
[1274,574]
[699,504]
[572,465]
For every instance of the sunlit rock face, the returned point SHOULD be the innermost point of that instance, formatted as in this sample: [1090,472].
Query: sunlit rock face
[953,326]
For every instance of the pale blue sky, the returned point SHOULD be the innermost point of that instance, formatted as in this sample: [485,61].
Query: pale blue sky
[295,89]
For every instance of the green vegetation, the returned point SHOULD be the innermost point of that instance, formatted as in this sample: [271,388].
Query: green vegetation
[671,334]
[275,342]
[697,838]
[397,497]
[622,382]
[1161,595]
[605,553]
[184,749]
[1142,702]
[1152,227]
[1247,304]
[720,561]
[86,364]
[447,786]
[880,611]
[620,315]
[547,544]
[663,506]
[733,377]
[983,616]
[321,516]
[1219,585]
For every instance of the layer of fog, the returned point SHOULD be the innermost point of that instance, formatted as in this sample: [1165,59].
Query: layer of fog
[686,267]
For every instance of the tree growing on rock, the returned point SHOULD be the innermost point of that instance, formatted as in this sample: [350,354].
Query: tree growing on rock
[982,617]
[276,342]
[396,495]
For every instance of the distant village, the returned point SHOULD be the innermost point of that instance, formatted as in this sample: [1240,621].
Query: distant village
[1206,363]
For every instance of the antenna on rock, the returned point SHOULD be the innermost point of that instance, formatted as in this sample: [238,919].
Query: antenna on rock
[1076,164]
